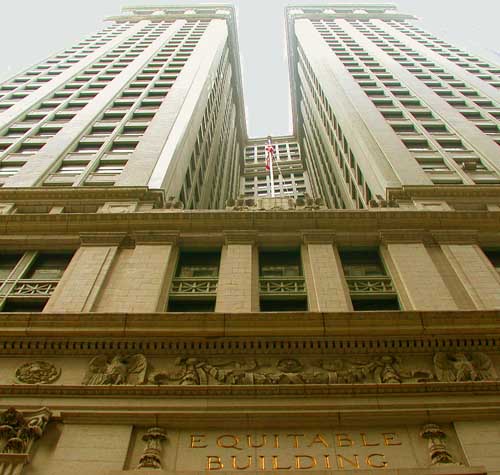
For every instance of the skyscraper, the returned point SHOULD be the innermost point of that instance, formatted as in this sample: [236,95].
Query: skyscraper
[162,311]
[395,106]
[141,103]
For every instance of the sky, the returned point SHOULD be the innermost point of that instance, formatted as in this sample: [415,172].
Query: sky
[31,30]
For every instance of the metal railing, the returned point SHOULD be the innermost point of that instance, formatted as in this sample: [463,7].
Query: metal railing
[282,286]
[194,286]
[372,285]
[28,288]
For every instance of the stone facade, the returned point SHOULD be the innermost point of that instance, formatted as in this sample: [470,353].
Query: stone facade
[173,320]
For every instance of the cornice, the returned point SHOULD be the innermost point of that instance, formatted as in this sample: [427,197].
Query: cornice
[67,194]
[249,333]
[337,221]
[462,192]
[258,391]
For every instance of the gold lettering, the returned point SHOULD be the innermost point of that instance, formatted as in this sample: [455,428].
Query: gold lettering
[214,463]
[276,464]
[276,441]
[262,462]
[389,438]
[318,439]
[235,466]
[229,445]
[341,438]
[381,464]
[366,443]
[299,464]
[327,461]
[196,439]
[295,439]
[341,459]
[252,446]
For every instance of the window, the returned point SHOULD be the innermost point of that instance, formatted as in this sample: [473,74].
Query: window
[370,286]
[494,257]
[28,280]
[194,287]
[281,282]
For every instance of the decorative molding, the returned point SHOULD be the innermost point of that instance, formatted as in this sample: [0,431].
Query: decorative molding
[430,389]
[102,239]
[37,372]
[455,237]
[199,333]
[151,458]
[240,237]
[155,237]
[87,194]
[319,236]
[404,236]
[355,222]
[438,453]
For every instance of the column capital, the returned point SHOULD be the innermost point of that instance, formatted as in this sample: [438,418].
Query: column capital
[405,236]
[455,237]
[102,239]
[155,237]
[240,237]
[315,236]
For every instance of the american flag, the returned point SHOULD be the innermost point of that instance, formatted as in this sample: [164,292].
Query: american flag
[270,151]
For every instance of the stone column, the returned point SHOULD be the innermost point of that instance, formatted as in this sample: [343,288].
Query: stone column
[412,268]
[82,281]
[478,277]
[141,277]
[325,282]
[238,287]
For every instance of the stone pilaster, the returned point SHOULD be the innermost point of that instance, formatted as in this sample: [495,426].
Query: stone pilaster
[414,271]
[326,286]
[140,280]
[238,288]
[475,272]
[81,282]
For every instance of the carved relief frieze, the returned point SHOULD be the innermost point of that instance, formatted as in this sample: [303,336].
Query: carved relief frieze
[201,371]
[458,366]
[240,370]
[37,372]
[117,370]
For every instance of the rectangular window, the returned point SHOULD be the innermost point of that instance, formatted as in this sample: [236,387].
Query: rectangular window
[194,287]
[370,286]
[29,279]
[281,282]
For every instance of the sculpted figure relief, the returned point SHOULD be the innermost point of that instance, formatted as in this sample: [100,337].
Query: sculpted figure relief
[197,371]
[37,372]
[451,367]
[120,369]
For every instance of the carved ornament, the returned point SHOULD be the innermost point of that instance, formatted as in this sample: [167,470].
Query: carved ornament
[130,370]
[37,372]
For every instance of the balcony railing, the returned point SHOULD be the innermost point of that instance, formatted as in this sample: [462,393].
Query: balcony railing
[194,286]
[373,285]
[282,286]
[28,288]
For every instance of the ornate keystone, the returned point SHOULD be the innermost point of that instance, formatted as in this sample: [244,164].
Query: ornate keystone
[154,438]
[438,452]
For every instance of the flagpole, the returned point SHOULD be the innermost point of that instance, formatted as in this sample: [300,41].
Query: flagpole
[270,160]
[271,171]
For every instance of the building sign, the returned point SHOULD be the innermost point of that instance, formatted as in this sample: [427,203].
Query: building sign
[294,450]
